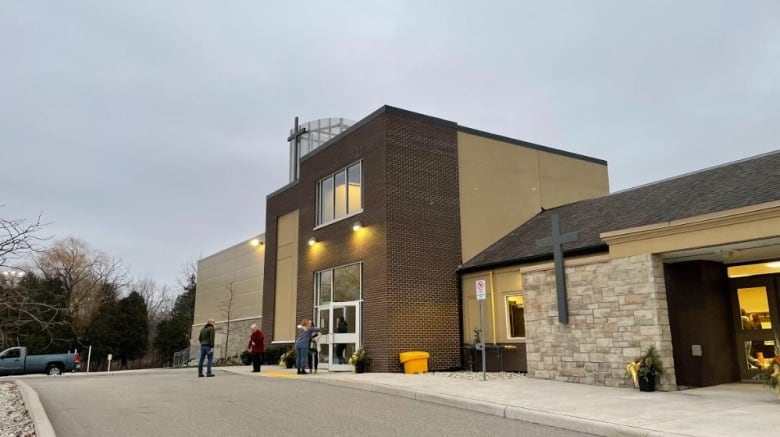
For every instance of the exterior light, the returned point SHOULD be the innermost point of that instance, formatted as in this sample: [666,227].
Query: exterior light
[773,264]
[256,242]
[312,241]
[357,225]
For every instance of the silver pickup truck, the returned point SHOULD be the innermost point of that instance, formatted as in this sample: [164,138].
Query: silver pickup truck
[15,361]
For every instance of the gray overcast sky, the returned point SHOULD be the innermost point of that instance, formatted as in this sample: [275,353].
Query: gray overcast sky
[154,130]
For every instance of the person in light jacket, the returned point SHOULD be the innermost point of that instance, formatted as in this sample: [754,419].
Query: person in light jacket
[302,341]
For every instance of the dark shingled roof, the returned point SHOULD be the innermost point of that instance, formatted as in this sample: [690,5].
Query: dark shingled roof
[738,184]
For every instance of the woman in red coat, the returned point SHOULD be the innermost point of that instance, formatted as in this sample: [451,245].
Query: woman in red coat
[256,347]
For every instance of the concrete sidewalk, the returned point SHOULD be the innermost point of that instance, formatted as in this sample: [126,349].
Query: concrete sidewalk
[726,410]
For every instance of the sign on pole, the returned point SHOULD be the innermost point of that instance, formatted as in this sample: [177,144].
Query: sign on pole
[481,298]
[480,289]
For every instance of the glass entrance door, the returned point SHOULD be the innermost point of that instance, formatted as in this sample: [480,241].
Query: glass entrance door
[758,318]
[341,323]
[338,296]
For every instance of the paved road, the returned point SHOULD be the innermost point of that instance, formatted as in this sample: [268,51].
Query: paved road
[177,403]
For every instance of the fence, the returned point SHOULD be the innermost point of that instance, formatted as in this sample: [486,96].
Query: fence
[181,358]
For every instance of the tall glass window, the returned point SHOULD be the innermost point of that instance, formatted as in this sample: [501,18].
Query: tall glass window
[354,187]
[340,194]
[515,316]
[340,284]
[325,286]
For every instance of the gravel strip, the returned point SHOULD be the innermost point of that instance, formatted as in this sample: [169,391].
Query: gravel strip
[490,376]
[15,421]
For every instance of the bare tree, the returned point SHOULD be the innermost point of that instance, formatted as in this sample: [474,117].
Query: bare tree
[18,238]
[85,274]
[159,303]
[159,299]
[227,310]
[24,305]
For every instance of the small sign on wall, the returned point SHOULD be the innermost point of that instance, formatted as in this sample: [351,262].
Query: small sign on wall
[696,350]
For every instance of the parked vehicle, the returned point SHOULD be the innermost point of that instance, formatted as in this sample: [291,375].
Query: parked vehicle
[15,361]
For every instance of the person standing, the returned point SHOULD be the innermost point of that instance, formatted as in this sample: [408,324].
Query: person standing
[302,341]
[314,352]
[256,347]
[206,339]
[341,328]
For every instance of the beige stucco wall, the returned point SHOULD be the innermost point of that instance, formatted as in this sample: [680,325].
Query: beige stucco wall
[502,185]
[240,268]
[500,284]
[286,277]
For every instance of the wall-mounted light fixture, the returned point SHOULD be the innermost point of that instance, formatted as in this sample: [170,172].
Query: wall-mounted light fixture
[357,226]
[256,242]
[312,241]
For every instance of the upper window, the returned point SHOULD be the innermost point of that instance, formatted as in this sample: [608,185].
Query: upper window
[515,316]
[341,284]
[340,194]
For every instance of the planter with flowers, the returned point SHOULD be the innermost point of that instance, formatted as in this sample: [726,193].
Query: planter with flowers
[287,359]
[645,370]
[770,368]
[359,359]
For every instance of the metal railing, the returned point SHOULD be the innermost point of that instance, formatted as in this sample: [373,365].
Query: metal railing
[181,358]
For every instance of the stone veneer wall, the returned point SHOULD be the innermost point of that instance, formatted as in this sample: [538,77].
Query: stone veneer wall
[617,308]
[239,338]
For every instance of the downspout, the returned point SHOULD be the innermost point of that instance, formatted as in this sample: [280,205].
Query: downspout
[493,307]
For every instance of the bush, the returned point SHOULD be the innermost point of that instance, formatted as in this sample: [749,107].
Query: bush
[273,354]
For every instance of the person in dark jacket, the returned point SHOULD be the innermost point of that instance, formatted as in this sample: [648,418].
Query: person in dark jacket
[256,347]
[206,339]
[341,328]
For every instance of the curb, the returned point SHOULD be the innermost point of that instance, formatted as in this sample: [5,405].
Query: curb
[553,420]
[33,404]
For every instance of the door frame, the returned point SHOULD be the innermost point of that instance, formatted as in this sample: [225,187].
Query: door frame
[772,285]
[333,310]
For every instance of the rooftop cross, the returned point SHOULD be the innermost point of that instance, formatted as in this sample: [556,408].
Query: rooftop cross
[295,136]
[556,240]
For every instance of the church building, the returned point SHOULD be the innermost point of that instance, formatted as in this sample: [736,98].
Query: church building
[368,236]
[690,265]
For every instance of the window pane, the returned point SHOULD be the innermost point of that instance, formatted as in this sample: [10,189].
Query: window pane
[355,195]
[346,283]
[326,200]
[324,287]
[754,308]
[341,194]
[515,316]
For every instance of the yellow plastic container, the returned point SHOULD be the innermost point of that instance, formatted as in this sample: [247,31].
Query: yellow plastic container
[415,361]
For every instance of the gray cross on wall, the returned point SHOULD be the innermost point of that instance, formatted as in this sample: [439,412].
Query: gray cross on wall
[556,240]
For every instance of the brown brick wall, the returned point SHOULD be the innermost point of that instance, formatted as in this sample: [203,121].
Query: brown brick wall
[423,236]
[410,246]
[338,243]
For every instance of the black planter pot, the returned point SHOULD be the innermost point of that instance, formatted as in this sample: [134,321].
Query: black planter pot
[647,384]
[289,363]
[360,367]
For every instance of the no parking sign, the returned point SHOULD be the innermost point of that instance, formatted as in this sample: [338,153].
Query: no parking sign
[480,289]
